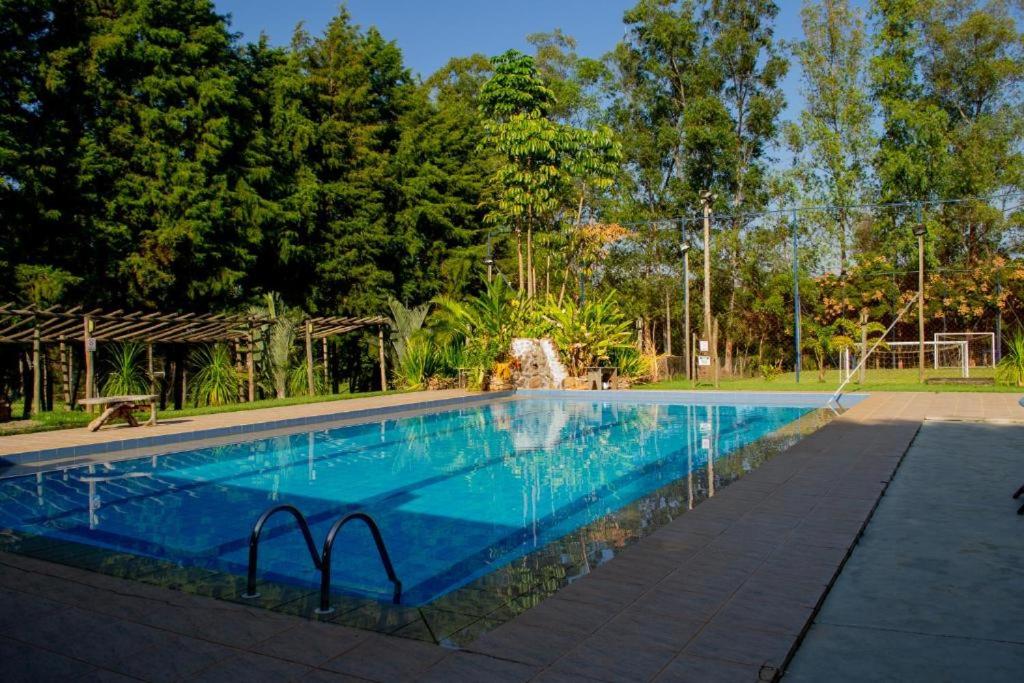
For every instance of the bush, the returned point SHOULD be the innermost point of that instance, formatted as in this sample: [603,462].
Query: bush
[126,375]
[769,372]
[1010,370]
[631,363]
[587,335]
[216,381]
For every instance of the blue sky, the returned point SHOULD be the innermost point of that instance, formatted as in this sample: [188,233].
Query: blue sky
[430,32]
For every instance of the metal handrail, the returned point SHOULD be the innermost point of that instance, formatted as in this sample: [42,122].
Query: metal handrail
[254,541]
[325,561]
[842,385]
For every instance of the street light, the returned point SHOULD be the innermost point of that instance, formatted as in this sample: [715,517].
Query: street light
[920,231]
[687,342]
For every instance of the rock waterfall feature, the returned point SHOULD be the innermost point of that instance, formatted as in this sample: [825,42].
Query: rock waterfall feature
[538,364]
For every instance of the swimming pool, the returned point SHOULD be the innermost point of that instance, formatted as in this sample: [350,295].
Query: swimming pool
[457,494]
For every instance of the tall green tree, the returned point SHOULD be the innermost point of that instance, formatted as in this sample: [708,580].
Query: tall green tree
[832,140]
[157,157]
[973,68]
[910,160]
[540,161]
[442,168]
[345,93]
[747,58]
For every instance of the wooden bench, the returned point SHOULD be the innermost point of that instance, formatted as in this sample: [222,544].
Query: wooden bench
[122,406]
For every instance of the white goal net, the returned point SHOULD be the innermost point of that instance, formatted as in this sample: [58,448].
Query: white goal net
[981,346]
[941,359]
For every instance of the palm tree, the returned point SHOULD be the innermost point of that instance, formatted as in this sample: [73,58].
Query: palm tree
[826,340]
[486,323]
[275,344]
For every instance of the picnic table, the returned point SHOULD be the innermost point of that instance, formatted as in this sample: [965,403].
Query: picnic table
[122,406]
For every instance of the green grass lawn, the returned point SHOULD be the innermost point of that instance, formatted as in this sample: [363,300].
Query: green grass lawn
[62,419]
[875,380]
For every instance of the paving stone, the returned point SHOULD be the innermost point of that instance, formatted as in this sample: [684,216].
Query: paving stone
[616,657]
[526,644]
[175,658]
[468,666]
[310,643]
[384,658]
[690,669]
[741,645]
[20,662]
[251,668]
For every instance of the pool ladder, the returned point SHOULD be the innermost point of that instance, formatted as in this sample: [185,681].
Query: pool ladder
[322,562]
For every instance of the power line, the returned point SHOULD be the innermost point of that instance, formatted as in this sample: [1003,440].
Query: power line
[826,208]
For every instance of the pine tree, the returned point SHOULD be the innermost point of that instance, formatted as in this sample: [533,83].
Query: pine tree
[442,168]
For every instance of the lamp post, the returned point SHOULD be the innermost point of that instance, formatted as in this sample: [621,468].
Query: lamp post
[489,261]
[686,309]
[920,230]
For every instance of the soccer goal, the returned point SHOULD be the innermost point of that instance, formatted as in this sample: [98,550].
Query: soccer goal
[981,346]
[898,360]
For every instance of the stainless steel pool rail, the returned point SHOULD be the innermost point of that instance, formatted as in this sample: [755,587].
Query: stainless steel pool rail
[321,562]
[254,543]
[325,561]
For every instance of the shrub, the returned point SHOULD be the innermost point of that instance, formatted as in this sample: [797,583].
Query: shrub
[1010,370]
[216,381]
[586,335]
[125,375]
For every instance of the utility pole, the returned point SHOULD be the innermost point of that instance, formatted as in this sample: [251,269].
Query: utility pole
[920,231]
[706,198]
[796,303]
[998,351]
[686,307]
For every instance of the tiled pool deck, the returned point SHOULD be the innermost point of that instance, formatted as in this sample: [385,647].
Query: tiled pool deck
[933,590]
[723,592]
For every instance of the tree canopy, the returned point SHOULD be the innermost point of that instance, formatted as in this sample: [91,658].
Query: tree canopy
[151,158]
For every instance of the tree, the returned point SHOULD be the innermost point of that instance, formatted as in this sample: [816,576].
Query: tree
[516,102]
[540,160]
[910,161]
[344,96]
[833,137]
[442,168]
[839,335]
[157,155]
[973,68]
[750,68]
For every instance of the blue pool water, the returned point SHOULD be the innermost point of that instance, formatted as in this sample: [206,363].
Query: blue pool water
[457,494]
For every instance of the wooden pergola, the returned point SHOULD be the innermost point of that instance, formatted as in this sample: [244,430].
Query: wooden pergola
[65,326]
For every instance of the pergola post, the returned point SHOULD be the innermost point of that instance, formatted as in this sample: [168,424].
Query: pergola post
[250,365]
[89,344]
[327,372]
[149,368]
[37,374]
[383,366]
[309,358]
[65,373]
